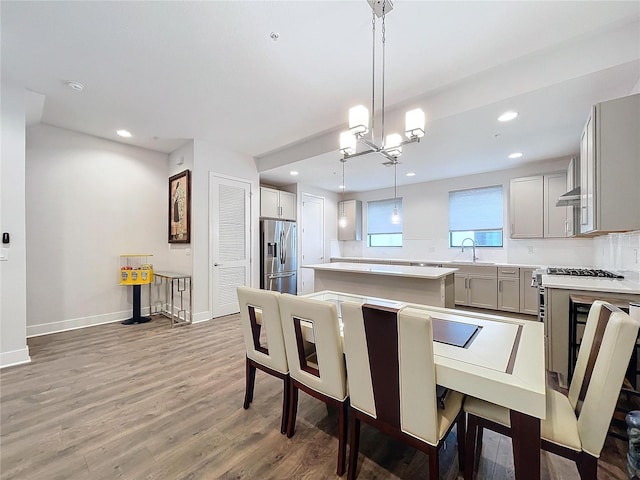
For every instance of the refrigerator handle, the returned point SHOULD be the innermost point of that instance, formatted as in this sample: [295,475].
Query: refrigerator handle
[283,252]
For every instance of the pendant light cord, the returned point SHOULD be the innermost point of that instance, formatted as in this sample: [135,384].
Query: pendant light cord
[373,77]
[344,187]
[395,185]
[384,4]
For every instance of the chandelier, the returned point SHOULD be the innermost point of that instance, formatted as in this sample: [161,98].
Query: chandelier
[360,118]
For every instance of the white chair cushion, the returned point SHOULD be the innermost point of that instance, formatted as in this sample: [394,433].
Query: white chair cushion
[446,416]
[560,426]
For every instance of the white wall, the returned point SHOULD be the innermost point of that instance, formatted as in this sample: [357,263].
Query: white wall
[209,157]
[426,222]
[618,251]
[180,256]
[88,200]
[13,303]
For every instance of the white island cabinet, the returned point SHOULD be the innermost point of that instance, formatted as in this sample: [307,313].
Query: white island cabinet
[426,285]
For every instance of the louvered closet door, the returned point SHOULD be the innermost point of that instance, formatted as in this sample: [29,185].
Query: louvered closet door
[230,242]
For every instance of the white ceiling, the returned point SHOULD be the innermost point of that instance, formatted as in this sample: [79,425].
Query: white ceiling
[171,71]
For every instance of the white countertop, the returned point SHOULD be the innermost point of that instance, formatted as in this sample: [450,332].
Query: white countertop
[433,273]
[439,262]
[629,284]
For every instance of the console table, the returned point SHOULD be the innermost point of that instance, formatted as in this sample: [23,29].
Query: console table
[174,297]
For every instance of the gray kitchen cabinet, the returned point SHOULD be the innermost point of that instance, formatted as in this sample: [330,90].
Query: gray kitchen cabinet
[532,206]
[476,286]
[353,212]
[277,204]
[609,167]
[526,208]
[509,289]
[557,220]
[528,293]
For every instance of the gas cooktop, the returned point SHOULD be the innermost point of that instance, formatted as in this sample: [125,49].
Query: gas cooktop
[583,272]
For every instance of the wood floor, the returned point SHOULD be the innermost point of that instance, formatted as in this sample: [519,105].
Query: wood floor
[150,402]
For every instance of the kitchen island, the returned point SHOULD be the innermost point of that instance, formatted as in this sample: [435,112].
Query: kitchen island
[424,285]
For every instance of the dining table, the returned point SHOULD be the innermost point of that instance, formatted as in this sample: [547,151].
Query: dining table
[495,358]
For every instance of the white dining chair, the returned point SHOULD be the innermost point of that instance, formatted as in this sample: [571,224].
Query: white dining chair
[576,425]
[319,372]
[264,343]
[392,381]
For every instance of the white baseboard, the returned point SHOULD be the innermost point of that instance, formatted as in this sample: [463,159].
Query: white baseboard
[82,322]
[15,357]
[201,317]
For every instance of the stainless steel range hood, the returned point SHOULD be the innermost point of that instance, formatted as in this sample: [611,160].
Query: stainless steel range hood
[569,199]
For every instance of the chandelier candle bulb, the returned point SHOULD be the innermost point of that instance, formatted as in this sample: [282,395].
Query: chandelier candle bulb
[393,145]
[359,120]
[414,123]
[348,143]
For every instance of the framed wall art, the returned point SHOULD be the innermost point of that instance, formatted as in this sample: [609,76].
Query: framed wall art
[180,208]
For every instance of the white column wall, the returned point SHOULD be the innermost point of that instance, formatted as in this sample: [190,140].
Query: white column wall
[13,286]
[180,257]
[209,157]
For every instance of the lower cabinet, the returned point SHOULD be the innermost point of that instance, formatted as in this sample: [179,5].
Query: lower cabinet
[528,293]
[476,286]
[509,289]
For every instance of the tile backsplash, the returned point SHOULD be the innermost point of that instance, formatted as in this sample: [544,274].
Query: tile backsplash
[618,251]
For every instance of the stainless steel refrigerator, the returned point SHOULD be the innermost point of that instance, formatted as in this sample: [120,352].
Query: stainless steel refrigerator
[278,256]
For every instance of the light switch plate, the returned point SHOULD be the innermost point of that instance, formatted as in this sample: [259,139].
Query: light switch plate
[4,254]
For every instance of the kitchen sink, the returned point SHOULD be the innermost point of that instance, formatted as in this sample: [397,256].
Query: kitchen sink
[458,262]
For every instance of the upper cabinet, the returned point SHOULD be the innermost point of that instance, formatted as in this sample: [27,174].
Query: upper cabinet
[532,207]
[610,167]
[277,204]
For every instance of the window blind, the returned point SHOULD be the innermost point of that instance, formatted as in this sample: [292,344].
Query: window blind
[379,216]
[476,209]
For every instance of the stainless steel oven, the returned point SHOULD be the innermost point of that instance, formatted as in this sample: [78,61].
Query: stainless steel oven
[536,282]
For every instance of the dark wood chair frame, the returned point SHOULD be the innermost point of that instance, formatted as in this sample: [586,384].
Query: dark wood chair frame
[342,406]
[587,464]
[385,373]
[252,365]
[356,417]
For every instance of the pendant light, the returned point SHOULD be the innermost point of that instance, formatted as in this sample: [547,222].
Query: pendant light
[361,119]
[395,217]
[342,222]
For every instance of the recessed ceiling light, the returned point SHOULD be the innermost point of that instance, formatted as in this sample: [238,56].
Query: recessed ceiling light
[75,85]
[293,172]
[515,155]
[411,174]
[341,186]
[124,133]
[274,36]
[507,116]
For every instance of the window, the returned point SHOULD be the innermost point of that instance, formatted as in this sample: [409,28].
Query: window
[476,214]
[380,231]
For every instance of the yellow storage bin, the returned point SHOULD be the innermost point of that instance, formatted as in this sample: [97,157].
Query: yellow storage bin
[137,276]
[135,269]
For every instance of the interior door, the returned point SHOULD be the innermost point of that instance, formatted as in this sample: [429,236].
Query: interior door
[312,239]
[230,242]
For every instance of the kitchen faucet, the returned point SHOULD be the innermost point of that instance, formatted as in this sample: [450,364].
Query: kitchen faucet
[473,245]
